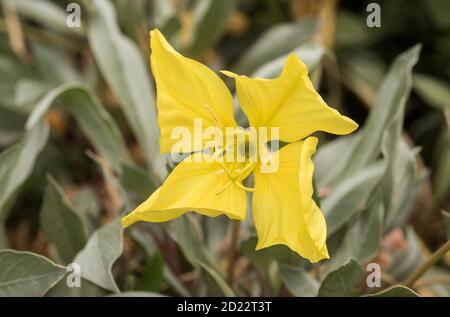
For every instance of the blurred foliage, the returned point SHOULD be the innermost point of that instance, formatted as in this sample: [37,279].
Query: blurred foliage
[79,147]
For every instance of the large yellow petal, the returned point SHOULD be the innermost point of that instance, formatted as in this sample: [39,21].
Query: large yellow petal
[202,187]
[290,103]
[283,209]
[186,90]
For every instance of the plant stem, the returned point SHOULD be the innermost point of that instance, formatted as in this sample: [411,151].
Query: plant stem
[427,264]
[235,229]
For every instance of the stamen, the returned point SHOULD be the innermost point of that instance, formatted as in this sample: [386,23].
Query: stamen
[236,178]
[247,189]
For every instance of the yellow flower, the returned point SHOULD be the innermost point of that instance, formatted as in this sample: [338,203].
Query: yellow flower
[283,210]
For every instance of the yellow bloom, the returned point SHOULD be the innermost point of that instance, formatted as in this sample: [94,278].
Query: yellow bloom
[283,210]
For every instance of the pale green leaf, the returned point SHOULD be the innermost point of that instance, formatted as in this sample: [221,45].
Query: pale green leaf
[46,13]
[92,118]
[27,274]
[342,282]
[389,104]
[210,17]
[309,53]
[298,281]
[98,256]
[277,41]
[153,275]
[123,67]
[16,164]
[396,291]
[350,196]
[363,237]
[60,223]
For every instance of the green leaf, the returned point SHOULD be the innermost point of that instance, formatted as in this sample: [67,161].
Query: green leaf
[210,17]
[86,289]
[342,282]
[309,53]
[362,239]
[277,41]
[27,274]
[55,65]
[447,222]
[16,164]
[349,32]
[327,169]
[362,72]
[153,275]
[350,196]
[165,17]
[92,118]
[396,291]
[98,256]
[389,104]
[185,232]
[46,13]
[263,259]
[135,179]
[218,280]
[435,92]
[60,223]
[121,64]
[298,281]
[400,182]
[28,91]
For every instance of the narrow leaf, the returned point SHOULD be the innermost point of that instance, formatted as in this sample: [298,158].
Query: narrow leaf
[92,118]
[121,64]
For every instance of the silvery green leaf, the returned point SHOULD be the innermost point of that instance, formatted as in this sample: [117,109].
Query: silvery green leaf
[298,281]
[362,238]
[123,67]
[99,254]
[343,281]
[309,53]
[350,196]
[389,105]
[396,291]
[60,223]
[210,17]
[46,13]
[16,164]
[27,274]
[277,41]
[92,118]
